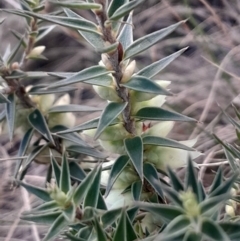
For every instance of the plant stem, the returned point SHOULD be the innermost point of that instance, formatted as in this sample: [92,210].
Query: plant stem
[115,59]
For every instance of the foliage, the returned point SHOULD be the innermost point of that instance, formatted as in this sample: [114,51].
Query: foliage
[130,197]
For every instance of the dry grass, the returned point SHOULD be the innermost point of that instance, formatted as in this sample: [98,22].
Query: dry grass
[205,76]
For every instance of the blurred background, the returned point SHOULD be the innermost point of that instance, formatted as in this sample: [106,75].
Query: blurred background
[205,78]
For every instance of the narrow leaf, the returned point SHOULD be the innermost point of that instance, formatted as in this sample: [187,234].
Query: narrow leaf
[83,187]
[23,148]
[143,84]
[14,52]
[149,40]
[56,228]
[155,113]
[136,190]
[83,75]
[4,99]
[10,108]
[37,191]
[91,198]
[126,35]
[151,175]
[191,179]
[46,218]
[134,148]
[76,171]
[72,108]
[101,236]
[110,216]
[166,212]
[218,179]
[39,91]
[75,23]
[93,38]
[115,5]
[153,69]
[121,228]
[38,122]
[56,170]
[87,151]
[160,141]
[125,9]
[77,5]
[117,168]
[213,230]
[65,182]
[110,113]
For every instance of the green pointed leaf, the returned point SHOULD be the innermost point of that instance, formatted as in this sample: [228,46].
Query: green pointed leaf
[10,108]
[213,204]
[136,190]
[46,218]
[44,31]
[134,148]
[218,179]
[14,52]
[160,141]
[124,9]
[85,233]
[56,228]
[76,171]
[110,113]
[110,216]
[75,23]
[173,195]
[77,5]
[84,186]
[115,5]
[126,35]
[92,38]
[224,187]
[154,68]
[151,175]
[19,37]
[91,198]
[176,227]
[104,80]
[39,91]
[166,212]
[142,84]
[37,191]
[213,230]
[116,170]
[23,148]
[45,207]
[231,159]
[72,108]
[38,122]
[232,229]
[65,182]
[83,75]
[4,99]
[92,124]
[124,229]
[16,74]
[101,236]
[73,137]
[101,202]
[87,151]
[155,113]
[149,40]
[56,170]
[191,179]
[132,212]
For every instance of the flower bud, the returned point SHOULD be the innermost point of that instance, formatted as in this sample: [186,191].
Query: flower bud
[105,62]
[157,101]
[160,129]
[229,209]
[107,93]
[66,119]
[45,102]
[138,96]
[128,72]
[36,51]
[116,147]
[162,157]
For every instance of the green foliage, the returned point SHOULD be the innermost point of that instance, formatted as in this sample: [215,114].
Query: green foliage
[125,188]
